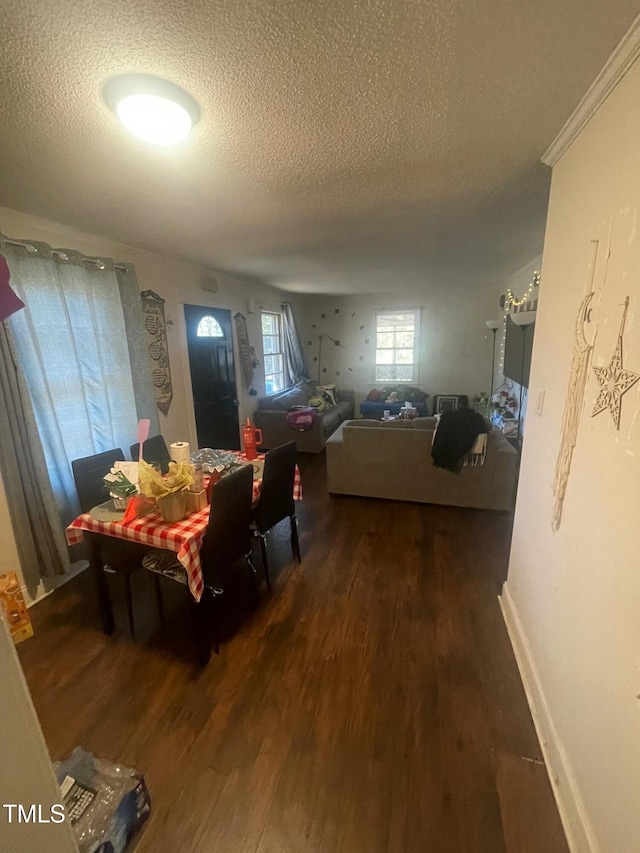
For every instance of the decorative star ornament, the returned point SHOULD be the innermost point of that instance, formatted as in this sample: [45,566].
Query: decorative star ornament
[614,380]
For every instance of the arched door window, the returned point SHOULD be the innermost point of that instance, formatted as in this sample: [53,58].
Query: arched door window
[209,327]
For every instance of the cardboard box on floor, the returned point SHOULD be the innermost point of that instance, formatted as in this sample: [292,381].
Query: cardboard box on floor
[14,609]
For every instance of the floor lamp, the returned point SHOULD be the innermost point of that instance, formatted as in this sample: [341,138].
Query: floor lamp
[523,319]
[494,325]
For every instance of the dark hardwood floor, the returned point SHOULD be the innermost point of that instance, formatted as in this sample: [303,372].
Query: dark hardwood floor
[371,703]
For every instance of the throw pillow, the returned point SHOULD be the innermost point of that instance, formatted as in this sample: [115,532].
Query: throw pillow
[374,396]
[317,403]
[411,394]
[329,394]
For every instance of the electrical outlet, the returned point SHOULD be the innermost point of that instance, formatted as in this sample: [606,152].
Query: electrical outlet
[539,401]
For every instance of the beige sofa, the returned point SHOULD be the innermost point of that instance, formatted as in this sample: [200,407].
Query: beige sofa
[393,460]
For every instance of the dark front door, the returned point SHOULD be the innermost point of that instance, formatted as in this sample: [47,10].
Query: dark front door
[213,376]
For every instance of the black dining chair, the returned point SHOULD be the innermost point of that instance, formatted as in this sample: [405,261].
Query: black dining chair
[276,500]
[154,451]
[226,541]
[123,558]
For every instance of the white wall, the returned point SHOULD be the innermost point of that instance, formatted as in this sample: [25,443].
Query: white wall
[455,348]
[177,282]
[26,775]
[572,598]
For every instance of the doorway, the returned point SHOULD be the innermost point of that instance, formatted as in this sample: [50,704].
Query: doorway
[213,378]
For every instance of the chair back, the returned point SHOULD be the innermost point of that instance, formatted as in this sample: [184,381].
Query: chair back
[228,535]
[154,451]
[276,495]
[88,473]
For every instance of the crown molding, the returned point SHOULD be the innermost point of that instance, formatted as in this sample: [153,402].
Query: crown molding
[620,61]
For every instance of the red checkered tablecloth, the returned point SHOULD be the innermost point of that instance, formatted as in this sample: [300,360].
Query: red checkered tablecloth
[184,537]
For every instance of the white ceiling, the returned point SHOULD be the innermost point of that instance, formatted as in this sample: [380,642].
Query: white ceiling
[353,146]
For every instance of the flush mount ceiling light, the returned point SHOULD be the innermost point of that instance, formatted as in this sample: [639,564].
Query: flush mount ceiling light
[151,108]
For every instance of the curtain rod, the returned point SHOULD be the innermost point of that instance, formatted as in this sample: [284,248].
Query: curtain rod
[60,253]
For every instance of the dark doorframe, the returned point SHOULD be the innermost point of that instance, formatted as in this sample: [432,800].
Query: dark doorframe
[213,378]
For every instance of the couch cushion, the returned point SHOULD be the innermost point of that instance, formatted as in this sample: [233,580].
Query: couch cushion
[299,395]
[344,409]
[330,419]
[400,423]
[424,423]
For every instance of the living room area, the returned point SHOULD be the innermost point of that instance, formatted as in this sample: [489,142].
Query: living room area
[358,339]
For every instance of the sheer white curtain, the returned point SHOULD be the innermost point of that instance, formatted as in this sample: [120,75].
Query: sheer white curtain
[72,346]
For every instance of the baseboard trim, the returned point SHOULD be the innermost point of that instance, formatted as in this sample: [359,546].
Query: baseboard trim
[60,580]
[580,835]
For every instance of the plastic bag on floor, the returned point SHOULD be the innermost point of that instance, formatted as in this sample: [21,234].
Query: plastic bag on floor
[105,802]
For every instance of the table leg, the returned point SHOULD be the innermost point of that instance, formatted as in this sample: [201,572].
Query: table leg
[102,590]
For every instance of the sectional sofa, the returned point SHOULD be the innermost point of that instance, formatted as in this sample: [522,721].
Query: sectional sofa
[393,460]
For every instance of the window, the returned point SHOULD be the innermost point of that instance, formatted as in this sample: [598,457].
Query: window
[272,349]
[72,344]
[209,327]
[396,346]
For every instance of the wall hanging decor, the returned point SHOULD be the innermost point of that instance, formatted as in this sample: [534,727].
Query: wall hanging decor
[248,358]
[580,360]
[156,327]
[614,379]
[335,343]
[338,327]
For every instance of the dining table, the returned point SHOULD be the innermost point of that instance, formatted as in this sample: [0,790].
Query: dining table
[184,538]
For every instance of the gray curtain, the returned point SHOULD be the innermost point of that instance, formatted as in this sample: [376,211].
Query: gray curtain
[296,368]
[146,406]
[34,513]
[75,378]
[71,344]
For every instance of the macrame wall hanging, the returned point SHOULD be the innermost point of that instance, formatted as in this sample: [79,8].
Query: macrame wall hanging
[582,351]
[580,361]
[614,379]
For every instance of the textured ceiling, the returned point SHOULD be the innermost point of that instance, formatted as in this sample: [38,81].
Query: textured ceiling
[352,146]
